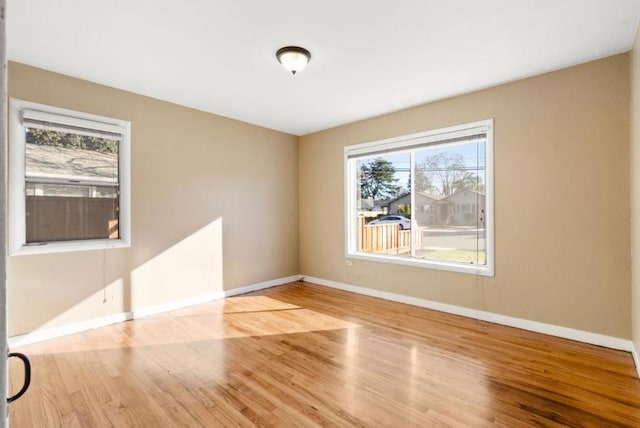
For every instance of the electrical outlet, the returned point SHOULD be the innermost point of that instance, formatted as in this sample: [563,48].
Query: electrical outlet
[348,263]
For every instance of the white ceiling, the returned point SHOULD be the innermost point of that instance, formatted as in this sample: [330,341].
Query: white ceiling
[369,57]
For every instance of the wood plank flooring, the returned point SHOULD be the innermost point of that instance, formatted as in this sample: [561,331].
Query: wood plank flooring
[304,355]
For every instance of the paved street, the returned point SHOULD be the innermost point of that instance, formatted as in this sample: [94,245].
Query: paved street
[458,242]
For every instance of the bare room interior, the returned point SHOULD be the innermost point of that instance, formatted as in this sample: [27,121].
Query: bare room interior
[285,213]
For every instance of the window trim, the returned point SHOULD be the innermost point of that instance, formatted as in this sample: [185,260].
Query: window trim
[408,142]
[17,245]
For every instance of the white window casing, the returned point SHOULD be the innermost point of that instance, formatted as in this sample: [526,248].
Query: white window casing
[440,138]
[25,114]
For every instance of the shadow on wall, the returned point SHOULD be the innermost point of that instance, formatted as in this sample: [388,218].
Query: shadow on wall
[87,285]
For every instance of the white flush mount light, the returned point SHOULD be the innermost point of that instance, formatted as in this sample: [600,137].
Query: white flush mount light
[293,58]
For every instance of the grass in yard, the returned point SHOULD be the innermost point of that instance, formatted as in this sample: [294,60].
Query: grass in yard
[464,256]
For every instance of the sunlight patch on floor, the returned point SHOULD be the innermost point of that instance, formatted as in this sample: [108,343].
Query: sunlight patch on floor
[235,317]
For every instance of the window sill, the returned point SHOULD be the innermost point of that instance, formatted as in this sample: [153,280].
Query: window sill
[69,246]
[471,269]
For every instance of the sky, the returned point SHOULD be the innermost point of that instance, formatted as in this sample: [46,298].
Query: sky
[472,152]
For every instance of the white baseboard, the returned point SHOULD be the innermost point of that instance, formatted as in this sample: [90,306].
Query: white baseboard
[636,358]
[538,327]
[261,285]
[63,330]
[172,306]
[550,329]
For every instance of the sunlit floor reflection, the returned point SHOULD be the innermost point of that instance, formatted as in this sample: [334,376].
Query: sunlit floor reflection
[302,355]
[234,317]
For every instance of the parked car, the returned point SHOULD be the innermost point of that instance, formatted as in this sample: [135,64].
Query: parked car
[403,222]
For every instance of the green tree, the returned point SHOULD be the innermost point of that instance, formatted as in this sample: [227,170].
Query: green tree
[377,180]
[45,137]
[405,210]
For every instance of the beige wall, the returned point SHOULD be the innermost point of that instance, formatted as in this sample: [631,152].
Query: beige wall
[635,192]
[203,186]
[561,200]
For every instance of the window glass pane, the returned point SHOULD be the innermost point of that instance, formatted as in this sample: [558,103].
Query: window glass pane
[71,190]
[383,204]
[449,182]
[59,155]
[66,212]
[71,187]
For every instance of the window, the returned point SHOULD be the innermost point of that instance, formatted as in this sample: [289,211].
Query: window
[69,180]
[448,170]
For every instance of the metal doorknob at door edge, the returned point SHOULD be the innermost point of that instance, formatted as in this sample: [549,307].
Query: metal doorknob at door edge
[27,375]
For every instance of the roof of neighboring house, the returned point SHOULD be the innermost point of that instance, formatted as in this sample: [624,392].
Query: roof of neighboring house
[431,196]
[370,203]
[402,195]
[71,164]
[426,195]
[465,190]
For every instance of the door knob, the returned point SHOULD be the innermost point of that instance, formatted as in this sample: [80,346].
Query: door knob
[27,375]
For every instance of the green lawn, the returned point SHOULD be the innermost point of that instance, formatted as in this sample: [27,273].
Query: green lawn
[464,256]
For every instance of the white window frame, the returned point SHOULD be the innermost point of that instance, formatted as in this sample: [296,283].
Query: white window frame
[17,163]
[407,142]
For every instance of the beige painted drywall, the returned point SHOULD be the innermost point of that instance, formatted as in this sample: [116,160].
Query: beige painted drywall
[635,192]
[561,200]
[214,206]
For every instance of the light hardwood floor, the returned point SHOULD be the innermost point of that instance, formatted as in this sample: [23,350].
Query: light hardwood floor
[305,355]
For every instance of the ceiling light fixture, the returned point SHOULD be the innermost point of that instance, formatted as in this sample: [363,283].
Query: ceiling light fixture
[293,58]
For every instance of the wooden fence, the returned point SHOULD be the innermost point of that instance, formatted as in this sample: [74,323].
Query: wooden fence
[384,238]
[57,218]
